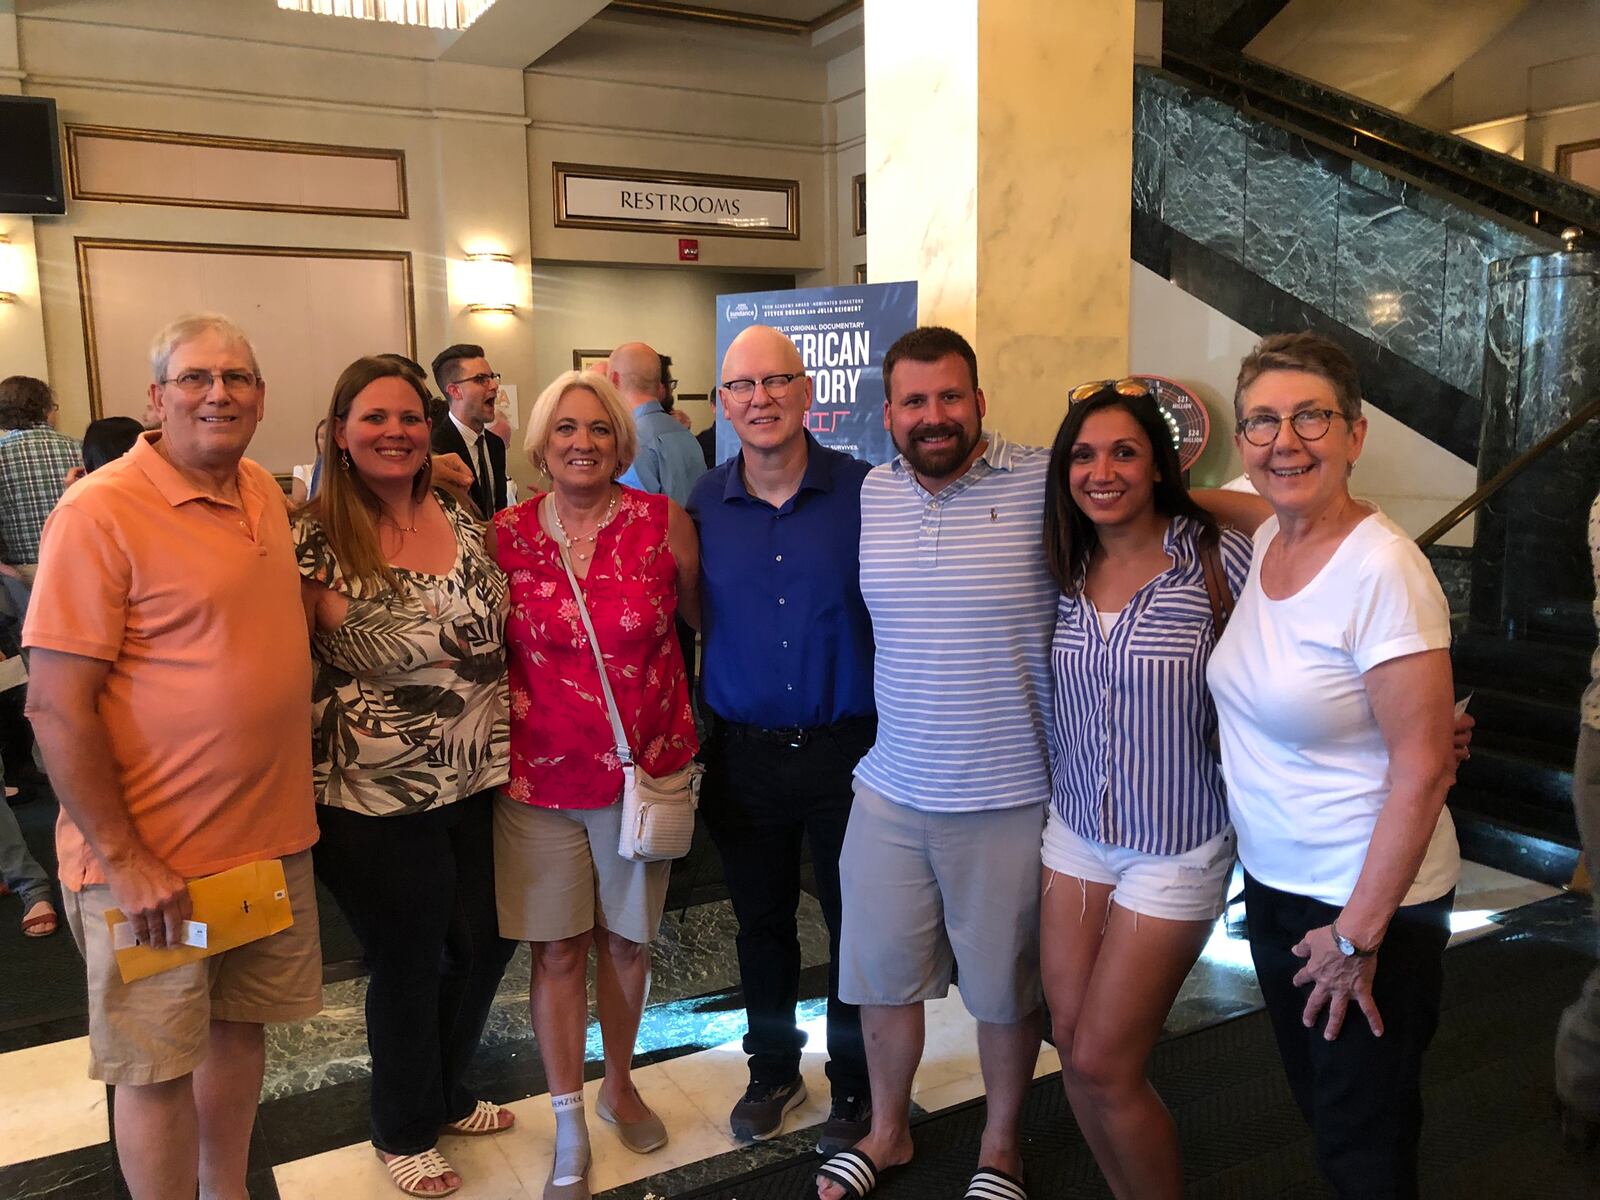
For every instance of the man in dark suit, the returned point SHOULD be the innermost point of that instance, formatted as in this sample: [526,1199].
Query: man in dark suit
[470,387]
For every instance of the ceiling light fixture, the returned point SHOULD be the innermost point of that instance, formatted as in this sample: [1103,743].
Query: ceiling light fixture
[432,14]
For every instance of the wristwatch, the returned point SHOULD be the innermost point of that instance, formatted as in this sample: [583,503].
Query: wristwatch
[1348,948]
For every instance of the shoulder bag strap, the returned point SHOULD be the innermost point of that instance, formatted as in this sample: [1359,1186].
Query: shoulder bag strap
[1216,586]
[623,752]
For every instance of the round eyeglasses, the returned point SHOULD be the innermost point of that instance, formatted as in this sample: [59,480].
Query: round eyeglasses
[775,386]
[1310,425]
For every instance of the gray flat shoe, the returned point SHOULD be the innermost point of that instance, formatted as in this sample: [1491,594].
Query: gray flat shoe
[566,1191]
[639,1136]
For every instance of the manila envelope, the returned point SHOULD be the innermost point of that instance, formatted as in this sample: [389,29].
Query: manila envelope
[230,908]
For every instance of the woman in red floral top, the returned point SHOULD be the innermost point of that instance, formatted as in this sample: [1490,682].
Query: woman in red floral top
[560,884]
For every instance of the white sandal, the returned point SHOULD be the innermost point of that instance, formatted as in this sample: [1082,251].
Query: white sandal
[408,1170]
[483,1119]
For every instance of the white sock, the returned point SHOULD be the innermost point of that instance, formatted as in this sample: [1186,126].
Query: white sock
[572,1140]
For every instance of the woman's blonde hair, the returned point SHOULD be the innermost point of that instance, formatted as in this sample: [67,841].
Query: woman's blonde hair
[543,416]
[346,507]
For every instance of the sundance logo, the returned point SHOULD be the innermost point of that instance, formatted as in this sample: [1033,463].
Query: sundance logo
[747,311]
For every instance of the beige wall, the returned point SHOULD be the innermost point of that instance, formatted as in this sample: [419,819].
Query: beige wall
[461,128]
[620,93]
[593,308]
[1533,88]
[479,143]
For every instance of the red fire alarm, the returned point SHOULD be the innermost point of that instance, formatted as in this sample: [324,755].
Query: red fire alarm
[688,249]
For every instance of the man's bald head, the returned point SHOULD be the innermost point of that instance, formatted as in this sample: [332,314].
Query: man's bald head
[770,393]
[636,371]
[763,343]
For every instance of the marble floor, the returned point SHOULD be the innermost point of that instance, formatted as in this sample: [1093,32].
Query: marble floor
[311,1144]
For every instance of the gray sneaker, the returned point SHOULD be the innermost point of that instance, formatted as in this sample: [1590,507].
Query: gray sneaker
[760,1111]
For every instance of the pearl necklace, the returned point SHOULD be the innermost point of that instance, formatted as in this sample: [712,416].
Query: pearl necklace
[574,544]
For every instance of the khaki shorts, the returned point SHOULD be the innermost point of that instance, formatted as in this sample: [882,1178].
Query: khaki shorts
[924,892]
[557,874]
[158,1028]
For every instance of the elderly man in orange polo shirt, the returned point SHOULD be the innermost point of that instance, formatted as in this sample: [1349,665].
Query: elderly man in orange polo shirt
[171,695]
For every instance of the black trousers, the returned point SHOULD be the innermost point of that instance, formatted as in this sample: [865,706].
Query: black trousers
[760,796]
[419,892]
[1361,1095]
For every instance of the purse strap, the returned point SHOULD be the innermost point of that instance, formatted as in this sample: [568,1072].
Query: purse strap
[1217,590]
[624,752]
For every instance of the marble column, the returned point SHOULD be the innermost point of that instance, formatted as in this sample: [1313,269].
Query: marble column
[1531,572]
[999,154]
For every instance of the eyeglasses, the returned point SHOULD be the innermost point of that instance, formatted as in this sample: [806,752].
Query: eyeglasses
[776,386]
[198,383]
[1310,424]
[670,384]
[1131,385]
[483,380]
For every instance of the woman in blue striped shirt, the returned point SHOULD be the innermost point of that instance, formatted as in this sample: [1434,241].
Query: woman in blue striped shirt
[1137,846]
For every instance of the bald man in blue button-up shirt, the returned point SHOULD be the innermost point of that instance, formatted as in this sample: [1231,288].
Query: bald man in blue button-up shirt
[788,678]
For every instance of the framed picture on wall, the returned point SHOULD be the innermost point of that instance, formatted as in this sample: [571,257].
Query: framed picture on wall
[582,360]
[858,203]
[1580,162]
[861,272]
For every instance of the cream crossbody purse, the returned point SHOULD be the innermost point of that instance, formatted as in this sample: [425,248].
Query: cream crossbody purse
[657,814]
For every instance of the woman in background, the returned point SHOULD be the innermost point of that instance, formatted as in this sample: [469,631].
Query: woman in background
[308,476]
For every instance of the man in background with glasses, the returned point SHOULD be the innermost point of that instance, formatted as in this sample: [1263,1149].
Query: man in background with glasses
[787,680]
[171,694]
[470,388]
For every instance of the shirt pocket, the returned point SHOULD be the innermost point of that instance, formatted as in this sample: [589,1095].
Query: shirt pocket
[1169,634]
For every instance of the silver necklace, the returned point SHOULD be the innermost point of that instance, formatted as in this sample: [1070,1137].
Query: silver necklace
[574,544]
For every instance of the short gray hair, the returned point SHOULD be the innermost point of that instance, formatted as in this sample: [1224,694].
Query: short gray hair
[188,327]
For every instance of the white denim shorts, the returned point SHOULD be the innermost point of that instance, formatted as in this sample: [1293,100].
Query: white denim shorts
[1174,887]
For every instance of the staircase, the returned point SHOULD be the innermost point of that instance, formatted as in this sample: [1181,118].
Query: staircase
[1513,798]
[1285,204]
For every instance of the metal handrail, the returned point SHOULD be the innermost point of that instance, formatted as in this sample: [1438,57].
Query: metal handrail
[1509,472]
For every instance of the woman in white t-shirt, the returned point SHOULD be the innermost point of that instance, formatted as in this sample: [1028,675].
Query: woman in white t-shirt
[1334,694]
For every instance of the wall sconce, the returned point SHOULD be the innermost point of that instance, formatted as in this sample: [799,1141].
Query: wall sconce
[10,271]
[490,283]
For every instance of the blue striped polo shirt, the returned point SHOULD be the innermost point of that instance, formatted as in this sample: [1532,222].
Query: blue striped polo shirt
[962,611]
[1133,724]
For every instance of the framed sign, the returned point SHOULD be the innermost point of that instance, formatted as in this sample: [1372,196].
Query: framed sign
[582,360]
[858,204]
[676,202]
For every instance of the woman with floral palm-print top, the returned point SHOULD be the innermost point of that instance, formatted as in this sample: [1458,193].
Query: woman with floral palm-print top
[410,738]
[409,697]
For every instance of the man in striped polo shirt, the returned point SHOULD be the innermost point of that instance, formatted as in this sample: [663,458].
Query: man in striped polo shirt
[941,862]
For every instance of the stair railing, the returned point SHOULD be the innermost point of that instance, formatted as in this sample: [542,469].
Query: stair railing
[1509,472]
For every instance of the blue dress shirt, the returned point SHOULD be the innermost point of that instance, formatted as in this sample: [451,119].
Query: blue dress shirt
[788,640]
[669,460]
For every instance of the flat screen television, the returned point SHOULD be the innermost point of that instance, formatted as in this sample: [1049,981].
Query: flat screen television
[30,156]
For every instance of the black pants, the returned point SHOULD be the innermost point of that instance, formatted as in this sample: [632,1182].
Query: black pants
[760,796]
[1361,1095]
[419,892]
